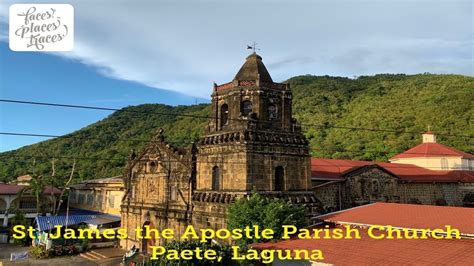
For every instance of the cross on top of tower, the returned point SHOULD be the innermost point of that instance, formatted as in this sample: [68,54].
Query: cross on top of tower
[253,47]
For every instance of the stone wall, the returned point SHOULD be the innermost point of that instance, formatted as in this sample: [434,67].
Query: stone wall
[371,184]
[451,194]
[331,195]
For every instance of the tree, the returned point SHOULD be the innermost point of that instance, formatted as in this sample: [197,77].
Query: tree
[36,186]
[265,213]
[65,187]
[19,219]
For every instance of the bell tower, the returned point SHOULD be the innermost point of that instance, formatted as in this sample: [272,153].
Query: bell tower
[252,142]
[253,97]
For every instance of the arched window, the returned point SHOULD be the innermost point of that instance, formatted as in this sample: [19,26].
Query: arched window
[224,114]
[279,178]
[246,107]
[152,167]
[272,112]
[216,178]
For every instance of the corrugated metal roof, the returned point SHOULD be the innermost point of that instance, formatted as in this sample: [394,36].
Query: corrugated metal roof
[370,251]
[46,223]
[406,216]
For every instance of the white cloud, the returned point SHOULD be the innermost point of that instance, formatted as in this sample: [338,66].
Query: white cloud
[184,46]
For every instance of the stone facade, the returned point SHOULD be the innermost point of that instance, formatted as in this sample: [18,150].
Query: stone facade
[159,183]
[252,143]
[371,184]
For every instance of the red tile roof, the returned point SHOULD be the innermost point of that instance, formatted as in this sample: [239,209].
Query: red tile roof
[406,216]
[369,251]
[432,150]
[336,169]
[8,189]
[332,168]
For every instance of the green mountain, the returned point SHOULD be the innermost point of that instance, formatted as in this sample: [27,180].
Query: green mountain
[326,106]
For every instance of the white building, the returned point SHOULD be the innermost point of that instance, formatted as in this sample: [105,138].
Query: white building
[11,200]
[435,156]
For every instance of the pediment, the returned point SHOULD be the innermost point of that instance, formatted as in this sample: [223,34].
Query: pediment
[371,171]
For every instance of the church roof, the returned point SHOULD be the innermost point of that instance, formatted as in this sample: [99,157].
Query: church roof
[406,216]
[432,150]
[253,69]
[370,251]
[11,189]
[401,215]
[333,169]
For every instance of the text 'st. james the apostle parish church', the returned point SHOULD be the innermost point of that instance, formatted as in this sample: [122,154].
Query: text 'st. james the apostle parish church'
[251,143]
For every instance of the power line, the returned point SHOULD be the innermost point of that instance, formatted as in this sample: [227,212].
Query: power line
[101,108]
[64,136]
[395,165]
[390,130]
[190,142]
[398,131]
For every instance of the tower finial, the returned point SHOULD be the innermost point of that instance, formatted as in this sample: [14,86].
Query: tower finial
[253,47]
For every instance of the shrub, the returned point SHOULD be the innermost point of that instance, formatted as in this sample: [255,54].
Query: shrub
[38,252]
[265,213]
[63,250]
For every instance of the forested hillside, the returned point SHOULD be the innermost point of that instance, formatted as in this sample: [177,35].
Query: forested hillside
[327,107]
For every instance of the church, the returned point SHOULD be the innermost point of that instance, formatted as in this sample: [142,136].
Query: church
[251,144]
[429,173]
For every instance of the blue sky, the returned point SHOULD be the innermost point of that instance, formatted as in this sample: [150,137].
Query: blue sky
[133,52]
[48,78]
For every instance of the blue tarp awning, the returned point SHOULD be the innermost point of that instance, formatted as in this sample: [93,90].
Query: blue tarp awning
[46,223]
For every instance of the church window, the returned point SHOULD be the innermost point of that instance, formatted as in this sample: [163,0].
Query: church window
[152,167]
[246,107]
[272,112]
[224,115]
[216,178]
[279,178]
